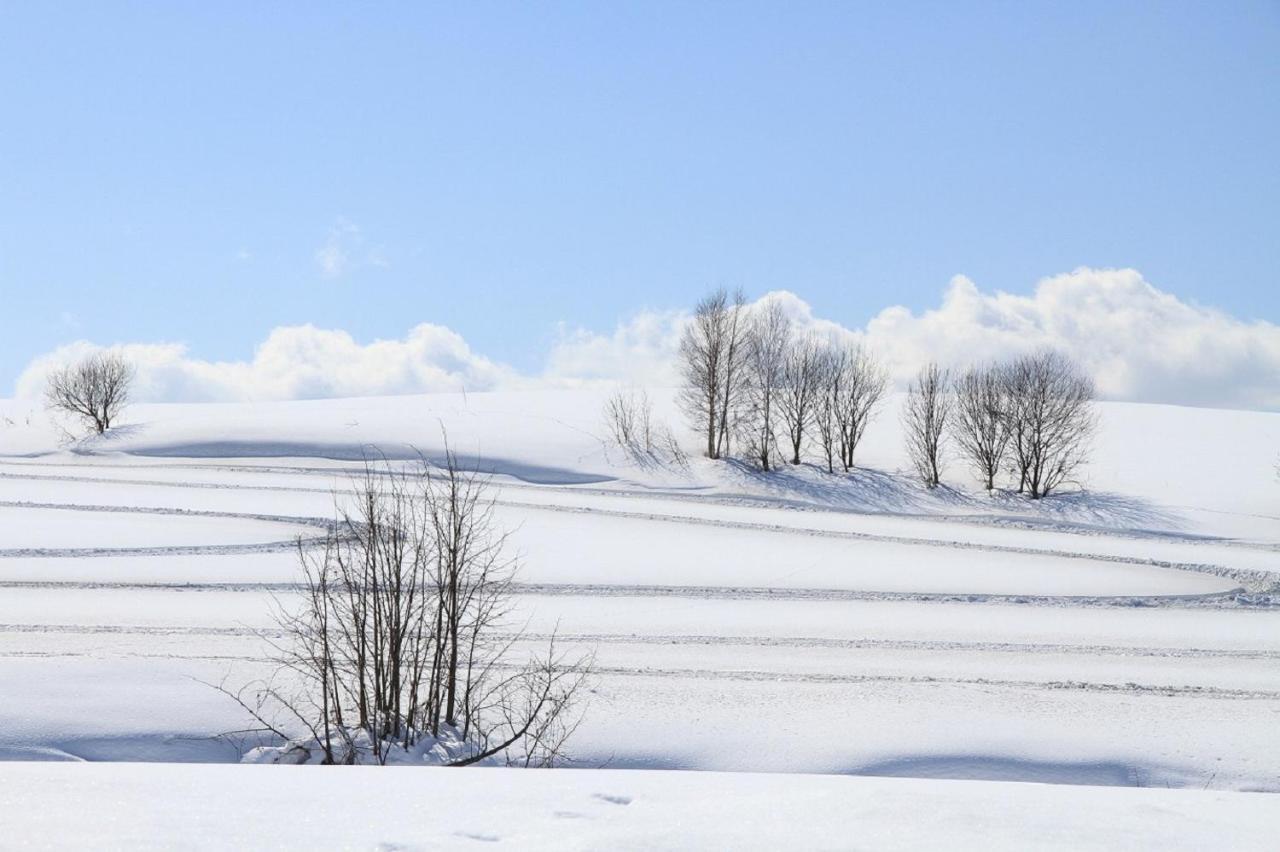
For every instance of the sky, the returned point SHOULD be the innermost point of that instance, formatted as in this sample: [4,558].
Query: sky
[534,183]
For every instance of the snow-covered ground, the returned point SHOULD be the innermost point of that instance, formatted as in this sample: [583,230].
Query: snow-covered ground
[1126,634]
[284,807]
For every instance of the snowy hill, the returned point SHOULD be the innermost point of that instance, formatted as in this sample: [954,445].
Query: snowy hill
[1123,633]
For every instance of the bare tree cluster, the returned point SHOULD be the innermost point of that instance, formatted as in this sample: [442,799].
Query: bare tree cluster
[1032,415]
[712,355]
[750,374]
[398,641]
[774,383]
[1051,420]
[93,390]
[924,422]
[768,344]
[852,385]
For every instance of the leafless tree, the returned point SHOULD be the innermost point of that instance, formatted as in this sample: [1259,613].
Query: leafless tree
[852,387]
[94,390]
[802,383]
[767,344]
[924,420]
[397,637]
[711,359]
[980,425]
[629,416]
[1050,420]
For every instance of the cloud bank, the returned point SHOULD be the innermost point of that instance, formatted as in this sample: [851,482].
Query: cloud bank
[1139,342]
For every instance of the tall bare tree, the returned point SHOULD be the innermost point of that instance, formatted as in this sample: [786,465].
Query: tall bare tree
[1050,419]
[802,383]
[711,359]
[93,390]
[852,387]
[980,425]
[767,343]
[924,420]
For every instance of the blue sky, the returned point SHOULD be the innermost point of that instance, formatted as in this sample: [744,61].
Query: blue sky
[206,172]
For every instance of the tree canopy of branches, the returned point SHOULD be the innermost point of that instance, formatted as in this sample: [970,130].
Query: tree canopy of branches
[711,360]
[980,425]
[767,345]
[1050,420]
[851,386]
[397,638]
[802,375]
[924,420]
[93,390]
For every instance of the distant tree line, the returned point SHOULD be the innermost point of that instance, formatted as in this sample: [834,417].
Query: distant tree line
[752,383]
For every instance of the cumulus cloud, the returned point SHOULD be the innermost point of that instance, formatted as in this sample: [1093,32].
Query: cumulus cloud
[640,351]
[1138,342]
[297,362]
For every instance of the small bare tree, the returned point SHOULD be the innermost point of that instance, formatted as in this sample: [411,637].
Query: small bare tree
[980,425]
[711,359]
[1050,420]
[94,390]
[629,416]
[768,342]
[924,419]
[396,646]
[852,387]
[802,375]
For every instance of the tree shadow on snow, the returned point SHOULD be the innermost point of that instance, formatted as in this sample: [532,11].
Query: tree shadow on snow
[871,491]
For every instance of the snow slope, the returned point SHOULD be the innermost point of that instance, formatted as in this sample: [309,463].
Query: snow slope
[1126,634]
[60,806]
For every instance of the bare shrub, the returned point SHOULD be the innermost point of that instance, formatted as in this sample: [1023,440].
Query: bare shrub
[711,358]
[396,652]
[1050,420]
[852,386]
[93,390]
[924,420]
[629,416]
[980,425]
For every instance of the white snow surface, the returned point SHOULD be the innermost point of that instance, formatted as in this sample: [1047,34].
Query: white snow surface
[1123,634]
[306,808]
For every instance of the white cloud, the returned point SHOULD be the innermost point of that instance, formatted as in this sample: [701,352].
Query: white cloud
[345,249]
[1140,344]
[640,351]
[297,362]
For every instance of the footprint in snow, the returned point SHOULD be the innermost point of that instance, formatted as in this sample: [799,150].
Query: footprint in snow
[611,799]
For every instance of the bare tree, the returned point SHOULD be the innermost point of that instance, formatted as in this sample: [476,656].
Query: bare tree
[93,390]
[1050,420]
[924,419]
[629,416]
[852,387]
[397,644]
[802,382]
[711,358]
[767,344]
[980,425]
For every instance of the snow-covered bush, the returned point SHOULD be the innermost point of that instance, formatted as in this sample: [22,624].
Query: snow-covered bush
[399,650]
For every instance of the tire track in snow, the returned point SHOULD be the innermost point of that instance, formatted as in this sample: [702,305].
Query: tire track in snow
[1251,581]
[1233,599]
[757,676]
[699,640]
[164,550]
[692,494]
